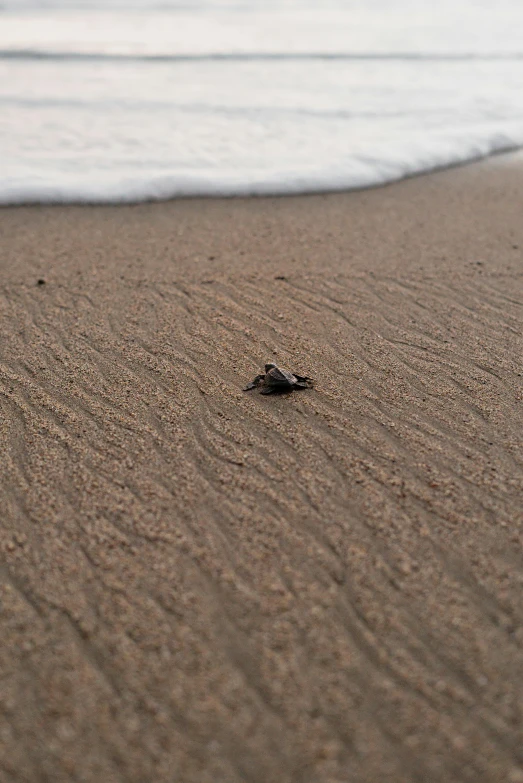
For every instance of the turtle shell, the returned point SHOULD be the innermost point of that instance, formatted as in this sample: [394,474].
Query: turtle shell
[277,376]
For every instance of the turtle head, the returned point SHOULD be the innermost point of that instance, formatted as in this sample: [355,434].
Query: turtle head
[269,367]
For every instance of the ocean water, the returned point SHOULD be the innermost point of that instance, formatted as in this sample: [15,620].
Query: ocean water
[126,100]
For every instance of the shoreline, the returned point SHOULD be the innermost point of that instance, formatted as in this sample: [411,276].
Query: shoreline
[381,219]
[508,153]
[206,585]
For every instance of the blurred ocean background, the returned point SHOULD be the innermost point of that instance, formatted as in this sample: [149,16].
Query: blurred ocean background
[115,101]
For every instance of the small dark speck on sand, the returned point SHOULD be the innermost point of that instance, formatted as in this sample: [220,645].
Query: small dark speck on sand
[515,247]
[211,258]
[280,277]
[40,281]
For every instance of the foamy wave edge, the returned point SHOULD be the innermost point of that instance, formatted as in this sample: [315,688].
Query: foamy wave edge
[352,174]
[252,56]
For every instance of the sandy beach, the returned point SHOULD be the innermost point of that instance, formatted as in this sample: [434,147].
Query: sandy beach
[203,585]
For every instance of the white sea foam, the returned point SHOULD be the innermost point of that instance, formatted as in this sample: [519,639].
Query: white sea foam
[111,102]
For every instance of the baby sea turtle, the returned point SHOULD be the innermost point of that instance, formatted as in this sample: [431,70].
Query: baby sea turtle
[276,379]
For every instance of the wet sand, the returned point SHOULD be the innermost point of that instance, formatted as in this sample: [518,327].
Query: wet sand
[203,585]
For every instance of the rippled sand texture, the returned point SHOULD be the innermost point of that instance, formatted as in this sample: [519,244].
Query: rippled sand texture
[203,585]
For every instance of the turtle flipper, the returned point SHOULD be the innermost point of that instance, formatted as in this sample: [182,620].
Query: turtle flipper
[304,379]
[269,390]
[253,384]
[301,385]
